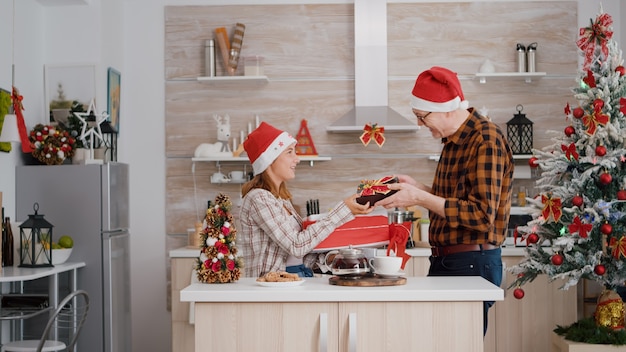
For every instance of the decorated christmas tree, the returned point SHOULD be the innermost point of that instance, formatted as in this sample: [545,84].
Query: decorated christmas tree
[218,261]
[578,229]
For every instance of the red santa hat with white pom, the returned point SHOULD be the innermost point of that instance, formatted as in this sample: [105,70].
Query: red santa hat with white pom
[438,90]
[264,145]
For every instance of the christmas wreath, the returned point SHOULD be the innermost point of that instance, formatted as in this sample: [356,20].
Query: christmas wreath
[218,261]
[51,145]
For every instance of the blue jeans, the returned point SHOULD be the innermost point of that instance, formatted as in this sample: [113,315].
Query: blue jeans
[487,264]
[301,270]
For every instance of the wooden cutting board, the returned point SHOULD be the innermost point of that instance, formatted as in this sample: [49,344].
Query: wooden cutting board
[365,281]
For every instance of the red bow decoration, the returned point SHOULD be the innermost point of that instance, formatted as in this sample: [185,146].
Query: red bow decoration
[369,188]
[592,121]
[622,105]
[373,132]
[580,227]
[398,236]
[570,151]
[551,208]
[619,247]
[590,80]
[21,125]
[567,110]
[598,33]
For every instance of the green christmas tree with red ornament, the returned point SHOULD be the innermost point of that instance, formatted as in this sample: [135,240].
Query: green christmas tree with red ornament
[579,217]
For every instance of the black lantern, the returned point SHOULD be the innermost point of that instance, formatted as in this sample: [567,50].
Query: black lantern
[36,241]
[109,137]
[519,131]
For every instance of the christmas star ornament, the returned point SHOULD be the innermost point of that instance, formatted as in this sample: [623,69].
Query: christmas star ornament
[90,134]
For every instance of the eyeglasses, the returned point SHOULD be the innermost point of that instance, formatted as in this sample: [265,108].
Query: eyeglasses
[422,118]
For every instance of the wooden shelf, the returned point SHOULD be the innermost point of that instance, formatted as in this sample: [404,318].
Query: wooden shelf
[222,79]
[311,159]
[526,76]
[515,157]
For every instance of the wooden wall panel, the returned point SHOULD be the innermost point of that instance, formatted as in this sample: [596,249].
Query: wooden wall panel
[308,52]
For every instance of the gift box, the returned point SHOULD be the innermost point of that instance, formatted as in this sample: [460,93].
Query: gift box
[374,190]
[362,231]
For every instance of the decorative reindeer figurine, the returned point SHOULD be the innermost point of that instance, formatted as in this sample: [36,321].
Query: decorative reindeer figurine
[221,148]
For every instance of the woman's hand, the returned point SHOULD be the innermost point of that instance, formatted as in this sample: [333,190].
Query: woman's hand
[356,208]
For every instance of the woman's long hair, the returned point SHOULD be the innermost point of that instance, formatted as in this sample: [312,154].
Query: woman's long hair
[263,181]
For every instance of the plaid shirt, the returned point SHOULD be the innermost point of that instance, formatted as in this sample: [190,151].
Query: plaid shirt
[474,175]
[271,230]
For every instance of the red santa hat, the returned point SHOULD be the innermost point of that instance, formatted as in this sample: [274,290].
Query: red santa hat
[438,90]
[264,145]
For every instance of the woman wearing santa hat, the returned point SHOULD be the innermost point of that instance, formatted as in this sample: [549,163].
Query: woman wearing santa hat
[470,200]
[272,235]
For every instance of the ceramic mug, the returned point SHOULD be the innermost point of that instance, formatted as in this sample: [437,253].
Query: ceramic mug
[236,176]
[219,177]
[386,265]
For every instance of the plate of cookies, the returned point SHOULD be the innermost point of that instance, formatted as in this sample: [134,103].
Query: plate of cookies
[279,279]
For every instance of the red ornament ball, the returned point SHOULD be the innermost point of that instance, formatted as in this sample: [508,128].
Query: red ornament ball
[599,269]
[600,150]
[533,162]
[606,178]
[532,238]
[569,131]
[579,112]
[621,194]
[598,103]
[557,259]
[620,70]
[518,293]
[577,201]
[606,229]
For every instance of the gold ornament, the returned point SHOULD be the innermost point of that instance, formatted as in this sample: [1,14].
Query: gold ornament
[610,310]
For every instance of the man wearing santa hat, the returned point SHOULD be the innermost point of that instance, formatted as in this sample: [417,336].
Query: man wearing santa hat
[272,234]
[469,202]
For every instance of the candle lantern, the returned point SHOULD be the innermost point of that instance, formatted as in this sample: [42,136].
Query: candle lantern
[36,241]
[109,135]
[519,131]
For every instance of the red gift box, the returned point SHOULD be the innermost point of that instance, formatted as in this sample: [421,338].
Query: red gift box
[363,231]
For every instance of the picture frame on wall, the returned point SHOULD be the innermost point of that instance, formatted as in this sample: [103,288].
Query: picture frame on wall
[113,97]
[65,84]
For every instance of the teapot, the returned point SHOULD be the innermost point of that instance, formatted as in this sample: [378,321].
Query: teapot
[347,261]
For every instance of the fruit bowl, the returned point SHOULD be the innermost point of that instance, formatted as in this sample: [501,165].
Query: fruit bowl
[60,256]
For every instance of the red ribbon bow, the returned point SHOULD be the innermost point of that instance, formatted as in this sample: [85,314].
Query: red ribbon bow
[598,33]
[622,105]
[373,132]
[580,227]
[373,187]
[16,98]
[398,236]
[551,208]
[590,80]
[592,121]
[570,151]
[619,247]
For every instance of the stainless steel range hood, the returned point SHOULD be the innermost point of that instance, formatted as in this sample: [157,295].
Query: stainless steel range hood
[370,74]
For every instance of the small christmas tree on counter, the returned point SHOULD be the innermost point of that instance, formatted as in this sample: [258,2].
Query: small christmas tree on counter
[218,261]
[581,209]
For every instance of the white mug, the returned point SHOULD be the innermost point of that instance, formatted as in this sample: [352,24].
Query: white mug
[386,265]
[219,177]
[236,175]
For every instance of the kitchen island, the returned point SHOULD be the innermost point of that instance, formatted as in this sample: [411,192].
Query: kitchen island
[426,314]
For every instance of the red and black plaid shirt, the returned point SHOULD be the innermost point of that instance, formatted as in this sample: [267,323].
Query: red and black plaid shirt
[474,175]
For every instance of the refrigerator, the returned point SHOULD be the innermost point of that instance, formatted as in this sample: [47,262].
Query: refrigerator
[90,204]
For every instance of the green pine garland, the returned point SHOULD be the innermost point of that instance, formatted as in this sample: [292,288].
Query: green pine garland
[586,330]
